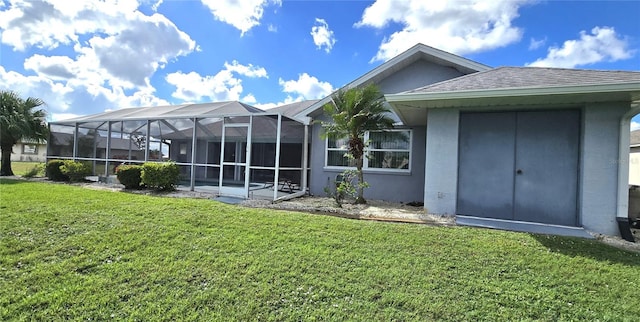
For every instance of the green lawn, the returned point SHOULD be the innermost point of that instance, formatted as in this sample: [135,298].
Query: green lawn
[20,168]
[73,253]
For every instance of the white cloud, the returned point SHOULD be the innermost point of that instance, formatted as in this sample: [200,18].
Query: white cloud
[272,28]
[322,35]
[460,27]
[129,47]
[117,50]
[537,43]
[635,126]
[306,87]
[156,5]
[49,23]
[246,70]
[602,44]
[85,98]
[249,99]
[287,100]
[223,86]
[243,15]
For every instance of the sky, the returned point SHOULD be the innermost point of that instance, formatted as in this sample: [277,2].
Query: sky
[87,57]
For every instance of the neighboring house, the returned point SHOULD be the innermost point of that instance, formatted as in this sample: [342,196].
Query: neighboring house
[533,149]
[29,150]
[634,158]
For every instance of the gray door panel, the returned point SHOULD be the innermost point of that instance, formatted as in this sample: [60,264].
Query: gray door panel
[547,167]
[486,161]
[519,165]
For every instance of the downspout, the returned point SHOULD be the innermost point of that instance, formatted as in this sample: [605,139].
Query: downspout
[622,215]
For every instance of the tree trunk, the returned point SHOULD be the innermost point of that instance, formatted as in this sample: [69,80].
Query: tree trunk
[5,165]
[360,199]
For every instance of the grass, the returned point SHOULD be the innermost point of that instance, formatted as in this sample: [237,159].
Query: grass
[72,253]
[21,167]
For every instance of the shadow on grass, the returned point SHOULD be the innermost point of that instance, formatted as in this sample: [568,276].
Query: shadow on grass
[578,247]
[11,181]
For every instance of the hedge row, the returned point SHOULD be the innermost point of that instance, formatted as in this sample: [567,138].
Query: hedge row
[160,176]
[67,170]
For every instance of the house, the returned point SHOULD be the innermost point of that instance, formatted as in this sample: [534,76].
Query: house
[533,149]
[29,151]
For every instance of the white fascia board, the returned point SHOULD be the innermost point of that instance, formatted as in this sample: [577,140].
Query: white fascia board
[510,92]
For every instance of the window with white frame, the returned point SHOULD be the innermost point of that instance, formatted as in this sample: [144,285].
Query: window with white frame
[386,150]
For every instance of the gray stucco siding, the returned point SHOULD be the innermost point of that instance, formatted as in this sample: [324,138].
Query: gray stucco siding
[417,74]
[598,162]
[599,166]
[389,186]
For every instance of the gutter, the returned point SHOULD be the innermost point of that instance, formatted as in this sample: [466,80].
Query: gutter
[516,91]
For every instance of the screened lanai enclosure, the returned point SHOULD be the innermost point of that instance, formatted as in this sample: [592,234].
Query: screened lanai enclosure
[227,148]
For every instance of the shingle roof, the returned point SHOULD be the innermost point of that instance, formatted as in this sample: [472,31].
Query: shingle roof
[529,77]
[292,109]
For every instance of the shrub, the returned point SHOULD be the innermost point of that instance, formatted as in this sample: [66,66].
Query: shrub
[38,169]
[76,171]
[53,171]
[129,175]
[160,175]
[344,187]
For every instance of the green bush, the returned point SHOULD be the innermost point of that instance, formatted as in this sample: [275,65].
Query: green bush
[130,176]
[161,176]
[53,171]
[75,170]
[36,170]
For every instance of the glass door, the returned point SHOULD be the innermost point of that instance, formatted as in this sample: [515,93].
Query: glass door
[234,177]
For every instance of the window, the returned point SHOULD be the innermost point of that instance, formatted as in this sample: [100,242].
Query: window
[336,152]
[386,150]
[29,149]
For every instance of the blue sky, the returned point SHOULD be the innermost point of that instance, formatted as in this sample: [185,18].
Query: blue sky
[85,57]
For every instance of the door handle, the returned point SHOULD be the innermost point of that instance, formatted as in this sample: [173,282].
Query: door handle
[519,171]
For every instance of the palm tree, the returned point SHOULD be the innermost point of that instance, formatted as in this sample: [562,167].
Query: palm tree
[18,120]
[354,112]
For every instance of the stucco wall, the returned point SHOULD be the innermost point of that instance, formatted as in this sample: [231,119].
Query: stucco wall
[599,159]
[417,74]
[598,177]
[441,174]
[398,187]
[402,187]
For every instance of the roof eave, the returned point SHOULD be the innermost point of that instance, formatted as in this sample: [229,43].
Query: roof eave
[511,92]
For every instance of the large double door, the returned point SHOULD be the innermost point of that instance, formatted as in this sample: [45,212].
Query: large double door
[519,166]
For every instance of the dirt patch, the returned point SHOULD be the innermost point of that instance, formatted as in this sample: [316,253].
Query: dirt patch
[373,210]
